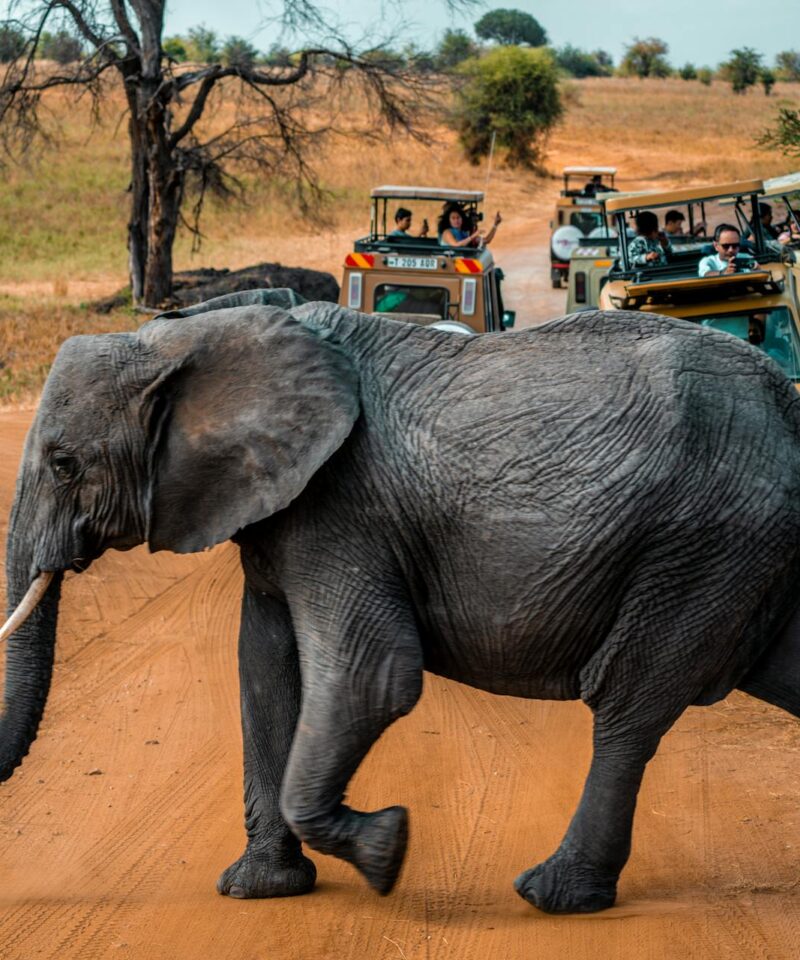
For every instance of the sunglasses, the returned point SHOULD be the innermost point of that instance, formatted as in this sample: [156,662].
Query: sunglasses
[728,246]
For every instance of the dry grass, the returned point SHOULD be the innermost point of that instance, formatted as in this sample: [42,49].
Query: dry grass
[66,213]
[31,331]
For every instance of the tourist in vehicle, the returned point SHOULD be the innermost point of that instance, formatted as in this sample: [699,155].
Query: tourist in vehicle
[596,185]
[728,256]
[455,229]
[651,247]
[402,224]
[673,223]
[771,232]
[790,232]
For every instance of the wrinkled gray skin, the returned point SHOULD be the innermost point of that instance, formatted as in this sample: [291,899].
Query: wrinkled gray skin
[605,508]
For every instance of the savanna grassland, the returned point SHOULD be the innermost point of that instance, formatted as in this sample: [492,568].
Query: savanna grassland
[63,211]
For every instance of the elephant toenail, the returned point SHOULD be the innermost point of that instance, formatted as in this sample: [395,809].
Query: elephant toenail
[237,892]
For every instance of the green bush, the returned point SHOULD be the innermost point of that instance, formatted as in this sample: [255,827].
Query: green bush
[12,43]
[238,52]
[688,72]
[581,63]
[742,70]
[785,135]
[787,64]
[705,76]
[62,47]
[514,93]
[202,45]
[455,47]
[767,80]
[645,58]
[175,49]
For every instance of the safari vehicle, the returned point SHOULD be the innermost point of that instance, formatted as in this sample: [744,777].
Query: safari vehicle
[578,214]
[786,189]
[589,266]
[760,305]
[420,279]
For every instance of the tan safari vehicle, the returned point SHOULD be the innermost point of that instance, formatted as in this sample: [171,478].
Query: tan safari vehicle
[420,279]
[578,215]
[782,194]
[759,303]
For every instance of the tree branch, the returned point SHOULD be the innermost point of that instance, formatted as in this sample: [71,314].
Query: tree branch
[125,28]
[84,27]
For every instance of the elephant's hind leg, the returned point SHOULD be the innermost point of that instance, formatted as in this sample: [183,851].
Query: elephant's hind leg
[272,864]
[638,686]
[775,678]
[354,685]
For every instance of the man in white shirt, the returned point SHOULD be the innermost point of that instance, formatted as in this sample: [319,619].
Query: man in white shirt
[726,259]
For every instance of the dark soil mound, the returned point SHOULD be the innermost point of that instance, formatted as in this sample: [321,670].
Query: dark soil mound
[195,286]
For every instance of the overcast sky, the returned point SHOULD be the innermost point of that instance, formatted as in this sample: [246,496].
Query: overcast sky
[702,33]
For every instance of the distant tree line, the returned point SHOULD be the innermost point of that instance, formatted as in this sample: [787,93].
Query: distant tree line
[642,57]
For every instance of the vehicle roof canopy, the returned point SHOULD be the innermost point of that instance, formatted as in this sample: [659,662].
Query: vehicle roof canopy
[426,193]
[778,186]
[616,202]
[589,171]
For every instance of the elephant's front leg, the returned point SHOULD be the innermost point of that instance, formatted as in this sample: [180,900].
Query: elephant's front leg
[358,677]
[269,675]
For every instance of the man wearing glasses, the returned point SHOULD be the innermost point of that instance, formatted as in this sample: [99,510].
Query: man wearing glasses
[726,259]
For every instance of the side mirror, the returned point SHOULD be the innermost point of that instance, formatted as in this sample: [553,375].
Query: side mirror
[508,319]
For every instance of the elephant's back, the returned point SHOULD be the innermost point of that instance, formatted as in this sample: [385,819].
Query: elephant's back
[590,403]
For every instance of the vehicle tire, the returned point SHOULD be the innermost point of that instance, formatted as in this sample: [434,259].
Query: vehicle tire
[556,281]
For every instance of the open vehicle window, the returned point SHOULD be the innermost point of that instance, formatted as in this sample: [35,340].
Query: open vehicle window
[407,298]
[770,330]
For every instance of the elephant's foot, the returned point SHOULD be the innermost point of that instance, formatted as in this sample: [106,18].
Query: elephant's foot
[375,843]
[567,883]
[379,847]
[254,877]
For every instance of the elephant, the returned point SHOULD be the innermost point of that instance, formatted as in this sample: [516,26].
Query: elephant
[604,508]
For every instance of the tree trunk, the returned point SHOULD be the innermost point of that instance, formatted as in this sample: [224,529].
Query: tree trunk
[137,222]
[165,197]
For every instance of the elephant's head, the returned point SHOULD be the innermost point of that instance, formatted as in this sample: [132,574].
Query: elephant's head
[178,435]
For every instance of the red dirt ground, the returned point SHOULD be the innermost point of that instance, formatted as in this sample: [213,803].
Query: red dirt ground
[114,830]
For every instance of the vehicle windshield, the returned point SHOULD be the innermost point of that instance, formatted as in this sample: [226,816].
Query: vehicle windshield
[407,298]
[770,330]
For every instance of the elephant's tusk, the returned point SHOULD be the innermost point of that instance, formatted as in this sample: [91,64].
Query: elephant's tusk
[29,602]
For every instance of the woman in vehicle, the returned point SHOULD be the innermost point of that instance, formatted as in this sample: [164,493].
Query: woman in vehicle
[454,229]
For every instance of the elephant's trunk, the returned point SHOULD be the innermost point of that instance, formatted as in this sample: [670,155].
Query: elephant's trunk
[29,657]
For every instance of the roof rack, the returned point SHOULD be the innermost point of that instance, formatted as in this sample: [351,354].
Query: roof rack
[426,193]
[779,186]
[665,198]
[589,171]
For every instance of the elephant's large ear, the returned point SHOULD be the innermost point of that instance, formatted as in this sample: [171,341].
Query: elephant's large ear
[250,404]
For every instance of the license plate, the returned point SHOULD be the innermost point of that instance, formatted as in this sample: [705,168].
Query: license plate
[413,263]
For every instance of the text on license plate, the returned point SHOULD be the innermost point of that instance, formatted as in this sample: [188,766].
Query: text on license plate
[412,263]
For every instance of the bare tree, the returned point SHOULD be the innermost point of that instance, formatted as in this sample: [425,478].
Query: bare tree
[173,153]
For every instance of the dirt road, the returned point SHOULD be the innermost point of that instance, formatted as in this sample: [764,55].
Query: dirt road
[114,830]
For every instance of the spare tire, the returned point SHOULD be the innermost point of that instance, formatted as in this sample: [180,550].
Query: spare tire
[453,326]
[564,241]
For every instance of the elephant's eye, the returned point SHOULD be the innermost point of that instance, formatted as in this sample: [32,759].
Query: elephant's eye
[63,466]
